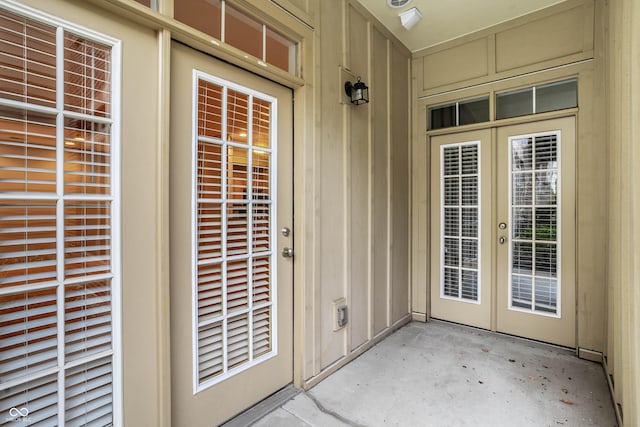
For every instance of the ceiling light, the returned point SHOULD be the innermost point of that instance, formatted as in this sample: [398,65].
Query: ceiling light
[397,3]
[410,17]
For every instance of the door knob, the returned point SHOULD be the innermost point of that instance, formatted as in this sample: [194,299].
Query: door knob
[287,252]
[502,240]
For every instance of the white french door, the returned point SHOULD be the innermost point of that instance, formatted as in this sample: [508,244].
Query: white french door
[460,224]
[536,244]
[503,227]
[231,285]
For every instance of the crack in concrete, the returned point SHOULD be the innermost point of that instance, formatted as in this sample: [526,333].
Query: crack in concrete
[335,415]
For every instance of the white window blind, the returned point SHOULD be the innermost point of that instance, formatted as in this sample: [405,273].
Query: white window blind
[58,204]
[460,216]
[534,199]
[234,211]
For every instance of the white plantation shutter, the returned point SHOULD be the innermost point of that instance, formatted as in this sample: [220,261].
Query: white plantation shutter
[234,206]
[460,213]
[57,207]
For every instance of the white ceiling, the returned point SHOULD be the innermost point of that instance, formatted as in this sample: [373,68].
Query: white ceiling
[447,19]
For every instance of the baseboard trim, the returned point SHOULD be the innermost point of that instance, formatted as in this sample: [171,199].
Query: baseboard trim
[313,381]
[419,317]
[594,356]
[617,407]
[263,407]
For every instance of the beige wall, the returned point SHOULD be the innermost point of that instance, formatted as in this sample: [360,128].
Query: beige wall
[351,175]
[623,188]
[490,61]
[361,179]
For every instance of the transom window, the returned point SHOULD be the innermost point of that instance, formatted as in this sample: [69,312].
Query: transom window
[230,25]
[59,253]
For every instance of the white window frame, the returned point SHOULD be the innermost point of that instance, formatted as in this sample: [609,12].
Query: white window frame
[114,199]
[477,143]
[272,150]
[558,313]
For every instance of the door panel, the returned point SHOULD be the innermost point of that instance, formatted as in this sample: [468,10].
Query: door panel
[231,192]
[521,257]
[460,218]
[536,188]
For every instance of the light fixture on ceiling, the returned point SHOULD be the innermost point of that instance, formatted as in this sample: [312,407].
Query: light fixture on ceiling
[358,92]
[410,17]
[397,3]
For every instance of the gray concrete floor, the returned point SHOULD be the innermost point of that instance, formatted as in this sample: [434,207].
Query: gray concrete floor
[440,374]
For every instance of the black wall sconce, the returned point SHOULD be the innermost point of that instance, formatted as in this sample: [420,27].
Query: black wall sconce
[358,92]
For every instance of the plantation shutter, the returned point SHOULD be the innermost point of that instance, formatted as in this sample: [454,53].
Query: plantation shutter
[234,225]
[460,218]
[57,205]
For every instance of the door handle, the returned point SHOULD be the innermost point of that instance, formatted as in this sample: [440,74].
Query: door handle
[287,253]
[502,240]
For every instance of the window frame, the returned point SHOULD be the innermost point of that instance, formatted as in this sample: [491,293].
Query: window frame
[63,26]
[198,75]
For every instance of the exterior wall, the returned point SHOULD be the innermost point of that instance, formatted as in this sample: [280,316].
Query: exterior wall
[490,61]
[623,188]
[361,176]
[351,172]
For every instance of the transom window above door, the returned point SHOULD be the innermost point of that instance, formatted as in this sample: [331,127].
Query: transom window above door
[231,25]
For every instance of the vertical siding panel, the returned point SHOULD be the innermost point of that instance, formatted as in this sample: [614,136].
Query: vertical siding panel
[380,177]
[358,196]
[331,208]
[400,187]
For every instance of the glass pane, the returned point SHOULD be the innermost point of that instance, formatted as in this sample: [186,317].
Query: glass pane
[522,154]
[281,52]
[522,258]
[521,291]
[451,282]
[237,285]
[556,96]
[203,15]
[209,109]
[27,60]
[546,294]
[522,189]
[243,32]
[261,331]
[87,158]
[237,116]
[27,151]
[469,285]
[470,222]
[442,117]
[522,223]
[474,111]
[87,238]
[27,242]
[451,161]
[87,76]
[514,104]
[451,222]
[261,123]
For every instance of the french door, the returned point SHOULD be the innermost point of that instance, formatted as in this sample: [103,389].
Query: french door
[231,263]
[503,227]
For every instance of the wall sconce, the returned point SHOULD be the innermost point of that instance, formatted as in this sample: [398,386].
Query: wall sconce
[358,92]
[410,17]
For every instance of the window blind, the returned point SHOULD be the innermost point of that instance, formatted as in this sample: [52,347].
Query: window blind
[234,178]
[460,214]
[56,214]
[535,192]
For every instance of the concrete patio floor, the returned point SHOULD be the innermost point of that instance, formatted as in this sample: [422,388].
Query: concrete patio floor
[441,374]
